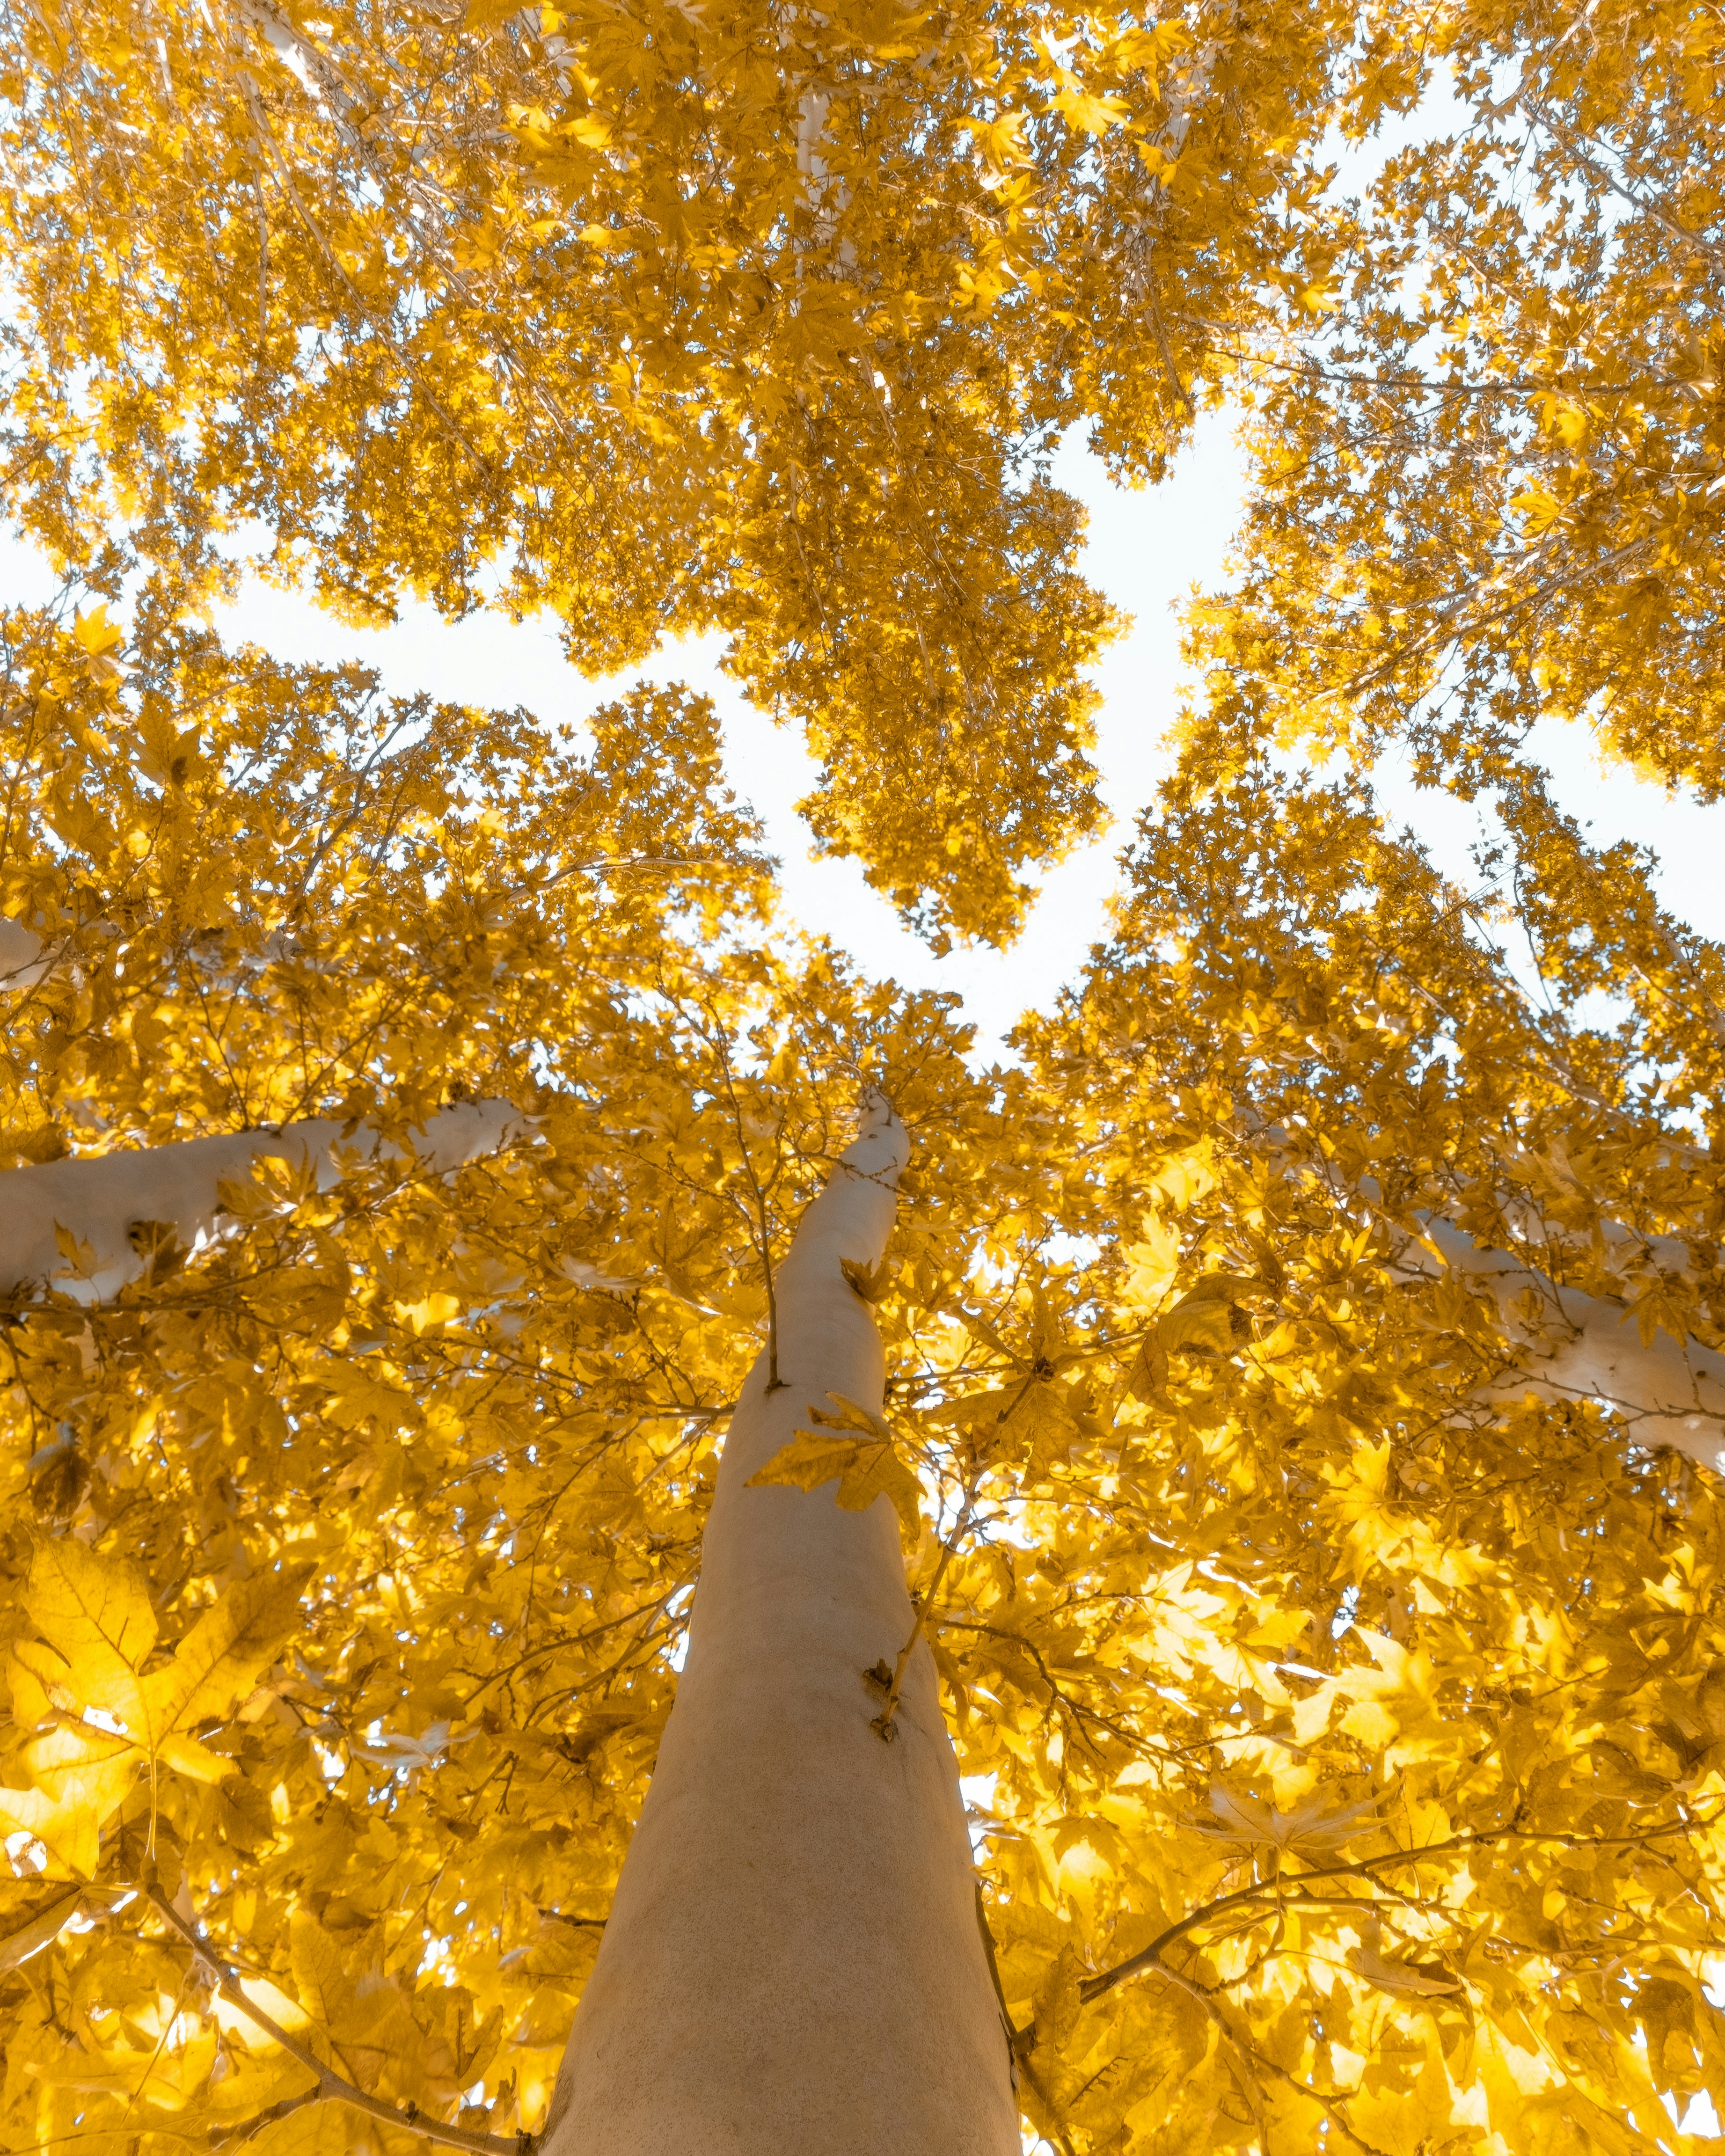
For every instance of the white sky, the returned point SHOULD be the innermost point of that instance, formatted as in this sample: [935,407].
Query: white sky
[1147,551]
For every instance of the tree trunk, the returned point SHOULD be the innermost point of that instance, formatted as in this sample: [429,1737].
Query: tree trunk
[793,1964]
[101,1202]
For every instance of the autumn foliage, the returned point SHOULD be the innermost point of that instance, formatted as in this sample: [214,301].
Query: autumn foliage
[1305,1393]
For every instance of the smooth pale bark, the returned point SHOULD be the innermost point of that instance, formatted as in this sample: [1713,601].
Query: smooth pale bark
[793,1966]
[1572,1346]
[99,1202]
[22,964]
[1568,1345]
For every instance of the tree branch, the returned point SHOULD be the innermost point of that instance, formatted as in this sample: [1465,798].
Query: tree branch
[331,2087]
[1286,1889]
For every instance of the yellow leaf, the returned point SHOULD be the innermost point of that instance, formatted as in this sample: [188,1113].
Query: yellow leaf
[1187,1175]
[972,1410]
[187,1757]
[80,1256]
[1562,417]
[431,1310]
[40,1931]
[1095,115]
[1312,1715]
[1154,1260]
[1001,142]
[872,1286]
[70,1827]
[1404,1979]
[1206,1320]
[222,1657]
[94,1613]
[36,1677]
[1539,509]
[96,632]
[326,1993]
[1372,1723]
[284,2012]
[1317,1826]
[851,1416]
[865,1469]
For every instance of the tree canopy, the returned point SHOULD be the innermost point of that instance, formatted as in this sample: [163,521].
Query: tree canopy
[663,319]
[1306,1356]
[1484,491]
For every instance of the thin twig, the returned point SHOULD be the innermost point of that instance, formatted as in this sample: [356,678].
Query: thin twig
[1288,1889]
[330,2086]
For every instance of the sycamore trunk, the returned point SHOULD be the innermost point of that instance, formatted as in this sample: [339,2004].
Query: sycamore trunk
[793,1965]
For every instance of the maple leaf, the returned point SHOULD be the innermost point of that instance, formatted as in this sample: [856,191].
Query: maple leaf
[1207,1318]
[870,1285]
[98,1628]
[1317,1826]
[1405,1978]
[99,1624]
[96,633]
[865,1466]
[1475,1479]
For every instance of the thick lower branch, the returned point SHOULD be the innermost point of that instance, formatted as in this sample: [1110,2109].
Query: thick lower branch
[99,1203]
